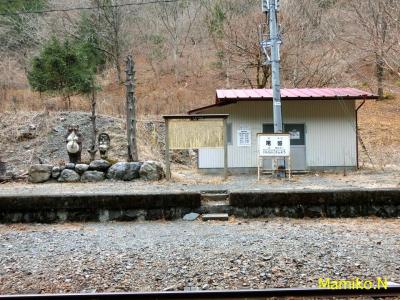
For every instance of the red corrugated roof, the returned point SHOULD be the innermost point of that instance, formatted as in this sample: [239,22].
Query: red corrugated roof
[303,94]
[225,97]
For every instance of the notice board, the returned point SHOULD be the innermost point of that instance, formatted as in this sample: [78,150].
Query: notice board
[195,134]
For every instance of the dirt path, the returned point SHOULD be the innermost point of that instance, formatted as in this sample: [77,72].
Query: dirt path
[187,180]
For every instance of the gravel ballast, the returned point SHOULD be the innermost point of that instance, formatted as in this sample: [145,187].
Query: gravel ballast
[157,256]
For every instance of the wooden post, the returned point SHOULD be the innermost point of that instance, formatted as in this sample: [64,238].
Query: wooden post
[92,150]
[167,158]
[225,150]
[290,167]
[131,109]
[258,158]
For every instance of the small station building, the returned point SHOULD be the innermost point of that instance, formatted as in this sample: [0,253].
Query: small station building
[322,124]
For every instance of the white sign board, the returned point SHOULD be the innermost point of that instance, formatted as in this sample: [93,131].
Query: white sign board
[244,138]
[274,145]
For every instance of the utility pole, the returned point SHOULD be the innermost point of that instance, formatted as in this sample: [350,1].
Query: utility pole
[270,42]
[131,109]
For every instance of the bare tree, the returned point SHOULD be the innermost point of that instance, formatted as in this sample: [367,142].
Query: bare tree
[374,35]
[391,59]
[304,25]
[241,43]
[110,25]
[150,40]
[176,20]
[308,58]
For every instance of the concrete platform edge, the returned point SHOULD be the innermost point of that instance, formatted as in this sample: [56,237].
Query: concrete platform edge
[332,203]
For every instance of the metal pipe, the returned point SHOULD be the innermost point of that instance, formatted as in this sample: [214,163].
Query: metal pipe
[227,294]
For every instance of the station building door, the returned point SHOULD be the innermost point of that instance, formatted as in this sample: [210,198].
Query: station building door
[297,145]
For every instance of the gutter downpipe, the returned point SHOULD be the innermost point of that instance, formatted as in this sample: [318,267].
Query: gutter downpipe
[357,135]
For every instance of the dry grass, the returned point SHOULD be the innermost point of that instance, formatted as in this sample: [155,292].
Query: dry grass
[379,123]
[190,176]
[156,95]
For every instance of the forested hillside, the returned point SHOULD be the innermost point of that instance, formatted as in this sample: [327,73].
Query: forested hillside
[186,49]
[183,50]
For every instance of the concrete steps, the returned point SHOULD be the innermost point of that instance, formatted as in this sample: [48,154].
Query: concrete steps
[215,205]
[215,217]
[206,197]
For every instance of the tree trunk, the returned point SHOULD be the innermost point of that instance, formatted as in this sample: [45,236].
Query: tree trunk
[67,100]
[380,75]
[227,64]
[131,110]
[175,58]
[92,151]
[118,69]
[380,63]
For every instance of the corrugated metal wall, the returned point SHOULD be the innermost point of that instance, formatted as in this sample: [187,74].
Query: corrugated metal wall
[330,132]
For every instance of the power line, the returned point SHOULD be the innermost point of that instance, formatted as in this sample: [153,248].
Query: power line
[87,8]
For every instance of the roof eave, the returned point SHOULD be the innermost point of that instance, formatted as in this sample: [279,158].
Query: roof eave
[227,101]
[361,97]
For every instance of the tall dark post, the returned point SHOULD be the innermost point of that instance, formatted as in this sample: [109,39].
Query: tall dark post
[131,109]
[92,150]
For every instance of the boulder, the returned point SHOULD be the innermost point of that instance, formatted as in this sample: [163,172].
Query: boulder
[70,166]
[124,171]
[26,132]
[92,176]
[68,175]
[152,170]
[81,168]
[99,165]
[39,173]
[55,172]
[190,217]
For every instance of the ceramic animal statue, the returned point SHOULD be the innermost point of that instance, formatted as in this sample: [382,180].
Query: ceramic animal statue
[104,142]
[74,141]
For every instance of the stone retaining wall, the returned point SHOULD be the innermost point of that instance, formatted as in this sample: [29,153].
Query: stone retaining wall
[383,203]
[97,170]
[129,207]
[329,203]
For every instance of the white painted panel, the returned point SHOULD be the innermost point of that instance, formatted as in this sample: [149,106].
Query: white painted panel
[329,125]
[211,158]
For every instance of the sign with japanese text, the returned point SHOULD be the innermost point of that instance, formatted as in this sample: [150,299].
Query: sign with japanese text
[244,138]
[273,145]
